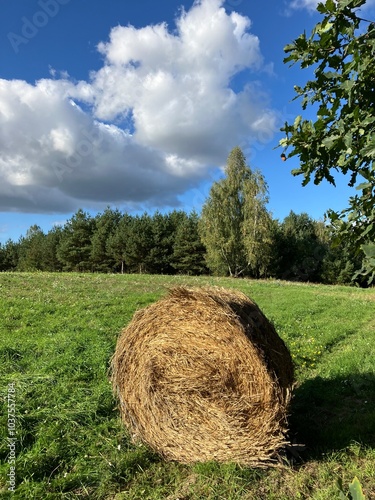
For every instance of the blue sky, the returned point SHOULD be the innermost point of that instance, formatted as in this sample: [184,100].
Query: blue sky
[136,105]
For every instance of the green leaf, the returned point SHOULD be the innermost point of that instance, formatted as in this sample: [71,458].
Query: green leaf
[296,171]
[355,488]
[297,121]
[330,5]
[348,141]
[368,230]
[330,141]
[369,250]
[347,85]
[364,185]
[351,3]
[323,111]
[369,150]
[324,27]
[321,8]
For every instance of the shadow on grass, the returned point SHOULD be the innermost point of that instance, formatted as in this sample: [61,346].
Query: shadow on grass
[329,414]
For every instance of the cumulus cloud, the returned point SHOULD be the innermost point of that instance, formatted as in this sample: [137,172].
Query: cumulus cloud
[147,126]
[53,155]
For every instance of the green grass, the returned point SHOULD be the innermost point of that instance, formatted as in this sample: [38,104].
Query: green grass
[58,333]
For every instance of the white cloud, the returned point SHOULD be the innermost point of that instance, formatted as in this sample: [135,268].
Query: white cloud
[177,86]
[304,4]
[311,5]
[146,127]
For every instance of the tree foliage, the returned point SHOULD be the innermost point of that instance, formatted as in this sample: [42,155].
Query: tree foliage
[32,251]
[188,249]
[235,225]
[164,228]
[300,248]
[341,50]
[105,226]
[75,247]
[340,261]
[9,256]
[117,243]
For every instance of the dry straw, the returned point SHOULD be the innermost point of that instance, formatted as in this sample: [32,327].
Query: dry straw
[202,375]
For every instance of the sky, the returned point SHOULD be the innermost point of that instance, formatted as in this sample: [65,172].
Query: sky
[136,105]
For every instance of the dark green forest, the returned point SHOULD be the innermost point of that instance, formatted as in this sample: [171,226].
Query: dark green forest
[298,248]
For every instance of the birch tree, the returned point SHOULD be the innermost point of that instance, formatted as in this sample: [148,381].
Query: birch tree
[235,224]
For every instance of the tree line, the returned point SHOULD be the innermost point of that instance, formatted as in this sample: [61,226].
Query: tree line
[234,235]
[298,248]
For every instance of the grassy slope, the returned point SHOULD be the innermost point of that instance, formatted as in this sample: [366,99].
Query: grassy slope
[58,333]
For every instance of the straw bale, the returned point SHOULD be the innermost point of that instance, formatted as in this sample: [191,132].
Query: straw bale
[202,375]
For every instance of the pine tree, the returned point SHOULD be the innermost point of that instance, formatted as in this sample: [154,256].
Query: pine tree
[50,246]
[10,255]
[188,249]
[105,225]
[31,250]
[2,258]
[117,246]
[140,244]
[75,246]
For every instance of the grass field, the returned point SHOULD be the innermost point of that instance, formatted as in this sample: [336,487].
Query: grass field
[57,335]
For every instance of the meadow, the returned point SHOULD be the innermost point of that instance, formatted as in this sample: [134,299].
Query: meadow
[57,335]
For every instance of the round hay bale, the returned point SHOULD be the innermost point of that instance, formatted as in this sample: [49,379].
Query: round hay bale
[202,375]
